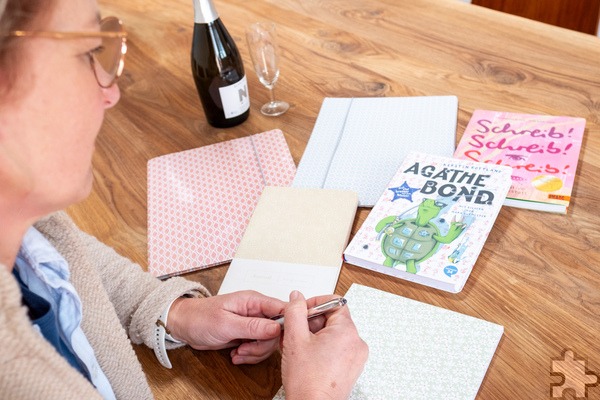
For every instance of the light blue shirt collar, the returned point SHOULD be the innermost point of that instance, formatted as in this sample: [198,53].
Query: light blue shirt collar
[46,273]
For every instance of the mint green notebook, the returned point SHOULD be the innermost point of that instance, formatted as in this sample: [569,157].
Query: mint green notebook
[416,350]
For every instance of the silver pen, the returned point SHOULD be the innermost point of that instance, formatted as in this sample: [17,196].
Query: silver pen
[315,311]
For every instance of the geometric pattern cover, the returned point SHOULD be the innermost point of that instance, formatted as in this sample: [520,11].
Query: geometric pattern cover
[200,200]
[418,351]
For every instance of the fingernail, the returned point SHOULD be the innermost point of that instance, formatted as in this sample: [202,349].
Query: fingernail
[294,295]
[273,330]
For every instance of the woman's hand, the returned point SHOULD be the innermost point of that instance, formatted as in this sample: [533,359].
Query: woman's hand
[325,364]
[239,319]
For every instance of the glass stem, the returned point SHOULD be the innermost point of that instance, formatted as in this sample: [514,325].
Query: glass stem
[272,94]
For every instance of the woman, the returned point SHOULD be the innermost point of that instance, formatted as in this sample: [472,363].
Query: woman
[82,300]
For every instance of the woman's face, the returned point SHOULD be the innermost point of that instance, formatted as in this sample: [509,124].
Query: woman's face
[51,117]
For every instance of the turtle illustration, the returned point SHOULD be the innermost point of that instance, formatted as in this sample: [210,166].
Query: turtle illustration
[410,241]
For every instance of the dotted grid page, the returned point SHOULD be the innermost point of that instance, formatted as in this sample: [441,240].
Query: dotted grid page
[323,142]
[358,143]
[378,134]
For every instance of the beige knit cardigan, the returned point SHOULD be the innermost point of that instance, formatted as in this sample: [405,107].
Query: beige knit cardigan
[119,300]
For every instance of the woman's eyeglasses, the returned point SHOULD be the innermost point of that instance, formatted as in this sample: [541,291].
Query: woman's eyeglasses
[108,59]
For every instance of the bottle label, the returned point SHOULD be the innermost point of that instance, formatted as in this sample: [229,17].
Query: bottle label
[235,98]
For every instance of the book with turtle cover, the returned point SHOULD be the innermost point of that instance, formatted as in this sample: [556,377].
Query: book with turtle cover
[543,151]
[431,223]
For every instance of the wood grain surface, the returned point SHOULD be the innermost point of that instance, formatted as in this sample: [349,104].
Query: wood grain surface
[538,274]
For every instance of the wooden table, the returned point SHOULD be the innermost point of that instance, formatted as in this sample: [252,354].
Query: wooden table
[538,274]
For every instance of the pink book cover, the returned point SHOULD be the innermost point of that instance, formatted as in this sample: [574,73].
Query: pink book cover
[200,200]
[543,151]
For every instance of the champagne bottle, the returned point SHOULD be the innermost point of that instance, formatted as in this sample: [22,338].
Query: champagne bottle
[217,69]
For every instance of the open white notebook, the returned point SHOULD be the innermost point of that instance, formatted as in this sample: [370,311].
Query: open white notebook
[418,351]
[358,143]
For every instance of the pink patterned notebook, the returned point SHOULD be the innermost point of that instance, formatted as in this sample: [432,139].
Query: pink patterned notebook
[543,151]
[200,200]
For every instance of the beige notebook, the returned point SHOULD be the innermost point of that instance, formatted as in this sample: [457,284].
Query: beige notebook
[294,241]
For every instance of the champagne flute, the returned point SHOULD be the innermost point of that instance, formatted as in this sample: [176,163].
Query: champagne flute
[262,43]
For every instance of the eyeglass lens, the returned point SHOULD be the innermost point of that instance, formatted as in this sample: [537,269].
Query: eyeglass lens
[108,58]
